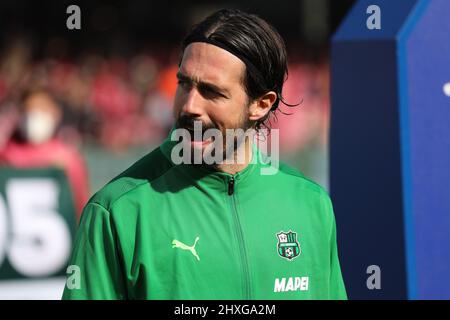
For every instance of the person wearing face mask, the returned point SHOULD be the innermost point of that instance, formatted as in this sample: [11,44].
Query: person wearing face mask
[34,144]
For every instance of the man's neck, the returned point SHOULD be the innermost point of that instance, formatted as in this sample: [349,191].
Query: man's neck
[238,165]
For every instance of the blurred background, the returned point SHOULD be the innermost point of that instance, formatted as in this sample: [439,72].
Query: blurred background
[88,103]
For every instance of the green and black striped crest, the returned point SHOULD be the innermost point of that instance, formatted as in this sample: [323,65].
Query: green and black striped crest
[288,246]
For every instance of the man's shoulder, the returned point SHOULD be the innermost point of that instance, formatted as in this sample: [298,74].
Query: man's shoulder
[147,169]
[301,187]
[299,179]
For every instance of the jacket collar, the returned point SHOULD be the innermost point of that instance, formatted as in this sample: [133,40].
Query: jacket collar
[213,178]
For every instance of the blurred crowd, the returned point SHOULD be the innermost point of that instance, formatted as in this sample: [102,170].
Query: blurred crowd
[119,102]
[113,101]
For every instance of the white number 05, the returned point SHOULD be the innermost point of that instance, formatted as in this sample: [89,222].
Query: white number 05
[39,241]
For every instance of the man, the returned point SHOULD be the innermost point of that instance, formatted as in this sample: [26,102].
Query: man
[163,230]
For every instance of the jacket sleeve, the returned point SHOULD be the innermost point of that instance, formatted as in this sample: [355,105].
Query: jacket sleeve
[94,270]
[336,285]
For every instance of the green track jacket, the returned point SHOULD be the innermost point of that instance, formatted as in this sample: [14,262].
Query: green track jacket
[165,231]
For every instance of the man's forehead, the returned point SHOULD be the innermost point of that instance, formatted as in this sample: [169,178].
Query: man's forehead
[210,63]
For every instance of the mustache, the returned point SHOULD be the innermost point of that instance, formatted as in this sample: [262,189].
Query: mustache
[187,122]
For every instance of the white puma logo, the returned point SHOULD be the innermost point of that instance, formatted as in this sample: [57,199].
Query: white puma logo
[181,245]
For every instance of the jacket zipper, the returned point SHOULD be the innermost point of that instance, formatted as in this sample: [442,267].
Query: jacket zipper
[231,187]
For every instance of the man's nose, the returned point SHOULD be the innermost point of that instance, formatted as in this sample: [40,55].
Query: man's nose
[193,104]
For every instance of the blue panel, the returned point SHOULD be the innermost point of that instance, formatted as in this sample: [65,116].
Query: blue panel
[390,148]
[393,15]
[426,50]
[365,167]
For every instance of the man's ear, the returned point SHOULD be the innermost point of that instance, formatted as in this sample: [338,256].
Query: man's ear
[261,106]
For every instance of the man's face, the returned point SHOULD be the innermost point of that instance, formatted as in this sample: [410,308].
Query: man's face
[210,89]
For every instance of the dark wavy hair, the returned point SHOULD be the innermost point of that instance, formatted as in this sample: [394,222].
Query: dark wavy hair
[254,40]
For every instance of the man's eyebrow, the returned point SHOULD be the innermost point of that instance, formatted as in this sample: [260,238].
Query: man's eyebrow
[182,76]
[209,85]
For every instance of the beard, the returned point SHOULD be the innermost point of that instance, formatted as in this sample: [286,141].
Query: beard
[222,146]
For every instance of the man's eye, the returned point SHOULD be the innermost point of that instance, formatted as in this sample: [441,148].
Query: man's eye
[209,93]
[183,83]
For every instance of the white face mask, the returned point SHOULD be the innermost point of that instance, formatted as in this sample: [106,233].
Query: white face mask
[39,126]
